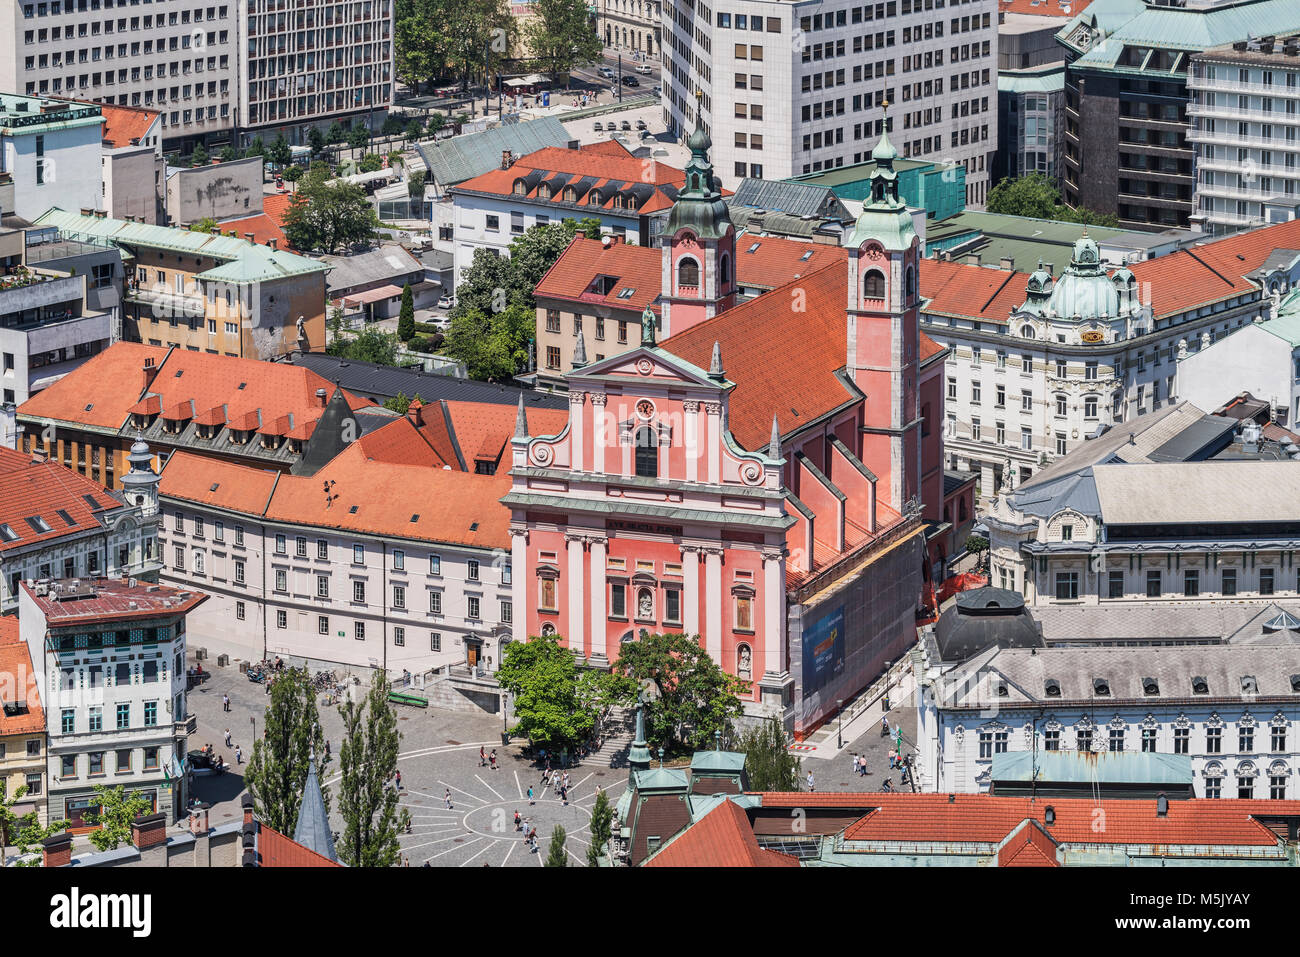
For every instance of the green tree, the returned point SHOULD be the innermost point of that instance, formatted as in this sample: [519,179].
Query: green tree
[557,856]
[976,544]
[401,404]
[255,148]
[415,185]
[406,315]
[277,769]
[326,215]
[369,345]
[336,133]
[542,678]
[228,154]
[769,765]
[21,830]
[1036,196]
[696,698]
[367,760]
[294,173]
[414,129]
[315,139]
[370,163]
[473,26]
[206,225]
[493,345]
[279,152]
[117,809]
[392,125]
[421,43]
[200,156]
[359,136]
[601,829]
[560,36]
[436,122]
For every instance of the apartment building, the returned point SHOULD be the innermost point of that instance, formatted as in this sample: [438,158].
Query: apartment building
[1245,124]
[51,149]
[1031,91]
[794,88]
[113,655]
[635,25]
[22,725]
[1042,361]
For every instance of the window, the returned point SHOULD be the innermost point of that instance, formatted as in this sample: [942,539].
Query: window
[96,719]
[300,547]
[239,535]
[281,580]
[1182,740]
[122,761]
[1245,787]
[1266,581]
[1061,407]
[688,272]
[471,570]
[1115,583]
[359,592]
[472,607]
[1246,739]
[69,766]
[1117,739]
[359,631]
[1279,738]
[68,723]
[322,586]
[96,764]
[435,565]
[1090,407]
[1067,586]
[1149,740]
[1213,740]
[744,613]
[647,453]
[1154,587]
[281,619]
[1067,533]
[992,742]
[1052,739]
[1083,739]
[239,611]
[150,714]
[322,624]
[435,642]
[399,560]
[1026,401]
[151,759]
[507,612]
[672,605]
[358,554]
[873,286]
[618,601]
[322,548]
[280,545]
[399,596]
[1229,581]
[435,602]
[1277,787]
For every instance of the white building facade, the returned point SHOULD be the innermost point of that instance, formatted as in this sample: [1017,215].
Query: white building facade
[52,151]
[634,25]
[793,88]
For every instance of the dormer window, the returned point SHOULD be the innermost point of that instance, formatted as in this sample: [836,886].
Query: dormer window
[1052,688]
[594,198]
[1200,685]
[1150,686]
[521,188]
[1101,687]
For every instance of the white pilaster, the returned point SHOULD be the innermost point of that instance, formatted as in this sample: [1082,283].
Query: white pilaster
[576,411]
[598,615]
[714,411]
[576,633]
[598,432]
[521,583]
[691,589]
[774,650]
[691,438]
[713,603]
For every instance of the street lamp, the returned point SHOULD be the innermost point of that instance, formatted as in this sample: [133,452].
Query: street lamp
[505,728]
[252,719]
[839,735]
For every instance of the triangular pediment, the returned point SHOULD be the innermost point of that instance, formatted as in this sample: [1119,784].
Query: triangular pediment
[649,363]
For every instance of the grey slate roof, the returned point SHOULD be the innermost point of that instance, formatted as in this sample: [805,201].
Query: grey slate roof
[1196,441]
[378,382]
[313,830]
[459,158]
[1144,621]
[797,199]
[984,618]
[389,263]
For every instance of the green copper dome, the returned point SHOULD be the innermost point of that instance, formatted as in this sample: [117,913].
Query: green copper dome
[699,206]
[884,216]
[1084,291]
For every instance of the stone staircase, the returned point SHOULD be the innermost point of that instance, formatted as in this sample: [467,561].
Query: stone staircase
[613,751]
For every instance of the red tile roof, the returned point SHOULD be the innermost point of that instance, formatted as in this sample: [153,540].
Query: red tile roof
[817,799]
[965,289]
[985,818]
[722,838]
[634,267]
[600,163]
[276,206]
[262,226]
[208,481]
[41,490]
[777,260]
[1031,847]
[123,125]
[483,429]
[276,850]
[1044,8]
[115,599]
[104,390]
[793,376]
[16,672]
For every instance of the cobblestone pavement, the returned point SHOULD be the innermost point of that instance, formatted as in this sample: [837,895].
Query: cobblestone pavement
[837,774]
[439,752]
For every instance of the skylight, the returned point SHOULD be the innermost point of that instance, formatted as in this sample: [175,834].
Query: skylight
[89,500]
[626,292]
[753,248]
[7,534]
[37,523]
[67,519]
[806,256]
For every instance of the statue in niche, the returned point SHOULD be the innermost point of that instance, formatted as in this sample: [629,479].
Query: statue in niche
[645,605]
[744,666]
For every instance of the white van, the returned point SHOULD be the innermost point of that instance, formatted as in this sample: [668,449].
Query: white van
[644,69]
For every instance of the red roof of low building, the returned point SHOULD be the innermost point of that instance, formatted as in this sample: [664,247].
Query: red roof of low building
[18,677]
[123,125]
[483,429]
[99,391]
[722,838]
[276,206]
[1044,8]
[276,850]
[45,492]
[220,484]
[112,599]
[635,268]
[262,227]
[1031,847]
[965,289]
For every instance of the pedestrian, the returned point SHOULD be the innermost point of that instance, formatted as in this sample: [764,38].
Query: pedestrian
[892,756]
[810,782]
[564,795]
[566,779]
[884,705]
[397,780]
[519,822]
[853,762]
[884,726]
[482,757]
[447,798]
[327,749]
[492,759]
[225,702]
[227,737]
[530,795]
[556,782]
[239,755]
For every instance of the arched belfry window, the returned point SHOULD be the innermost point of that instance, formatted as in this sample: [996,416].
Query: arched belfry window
[724,270]
[688,272]
[647,453]
[911,282]
[873,286]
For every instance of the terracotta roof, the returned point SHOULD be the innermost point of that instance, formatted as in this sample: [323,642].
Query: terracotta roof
[1044,8]
[775,260]
[606,170]
[115,599]
[276,206]
[985,818]
[483,429]
[108,387]
[401,443]
[123,124]
[607,148]
[965,289]
[722,838]
[633,267]
[262,226]
[45,492]
[817,799]
[793,376]
[276,850]
[929,347]
[1031,847]
[16,672]
[209,481]
[101,391]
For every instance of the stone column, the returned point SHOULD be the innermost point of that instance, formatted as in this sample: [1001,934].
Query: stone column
[576,633]
[521,583]
[598,432]
[599,621]
[691,438]
[713,437]
[691,589]
[775,664]
[713,599]
[576,411]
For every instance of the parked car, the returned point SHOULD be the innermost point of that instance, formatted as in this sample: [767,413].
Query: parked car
[658,90]
[641,125]
[644,69]
[598,126]
[606,72]
[627,125]
[631,81]
[446,302]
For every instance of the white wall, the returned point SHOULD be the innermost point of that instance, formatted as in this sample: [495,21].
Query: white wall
[72,170]
[1250,360]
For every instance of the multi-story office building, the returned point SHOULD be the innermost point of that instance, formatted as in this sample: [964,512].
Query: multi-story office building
[112,656]
[1245,124]
[313,61]
[178,58]
[1128,147]
[1040,362]
[56,522]
[52,151]
[793,88]
[1031,93]
[635,25]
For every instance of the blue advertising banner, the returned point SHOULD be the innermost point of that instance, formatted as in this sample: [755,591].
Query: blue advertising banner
[823,650]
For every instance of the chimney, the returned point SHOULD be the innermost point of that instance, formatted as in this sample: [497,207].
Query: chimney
[247,803]
[415,412]
[56,851]
[507,159]
[199,819]
[271,242]
[249,237]
[101,214]
[38,456]
[322,397]
[87,211]
[149,830]
[1008,262]
[150,370]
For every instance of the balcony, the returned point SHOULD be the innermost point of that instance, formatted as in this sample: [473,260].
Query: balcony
[1238,114]
[1235,86]
[186,727]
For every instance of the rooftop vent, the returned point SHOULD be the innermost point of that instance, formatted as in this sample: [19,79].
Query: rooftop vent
[1295,684]
[1162,805]
[1049,815]
[1249,685]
